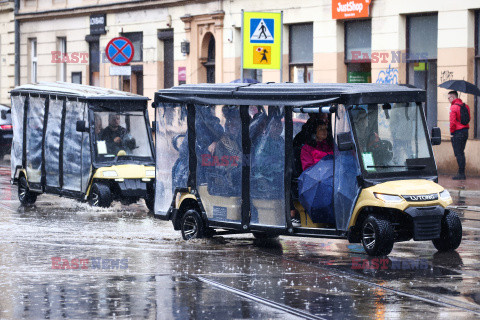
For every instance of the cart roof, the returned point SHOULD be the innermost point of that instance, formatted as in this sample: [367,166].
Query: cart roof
[76,90]
[292,94]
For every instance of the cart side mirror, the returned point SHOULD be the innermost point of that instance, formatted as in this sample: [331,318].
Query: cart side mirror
[154,126]
[4,114]
[436,137]
[81,127]
[344,141]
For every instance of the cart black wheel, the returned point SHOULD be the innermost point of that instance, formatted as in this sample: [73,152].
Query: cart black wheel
[150,198]
[192,225]
[264,235]
[100,196]
[450,234]
[377,236]
[25,196]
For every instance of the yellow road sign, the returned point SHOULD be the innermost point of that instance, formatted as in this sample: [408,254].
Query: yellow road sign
[262,37]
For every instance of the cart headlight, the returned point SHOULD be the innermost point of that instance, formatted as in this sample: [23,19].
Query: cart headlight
[110,173]
[150,173]
[388,198]
[445,195]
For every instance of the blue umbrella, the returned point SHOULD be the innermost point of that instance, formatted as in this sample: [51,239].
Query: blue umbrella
[315,190]
[245,80]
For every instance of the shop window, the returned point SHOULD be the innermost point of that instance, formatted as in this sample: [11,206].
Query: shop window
[421,57]
[62,48]
[33,60]
[301,52]
[358,50]
[137,40]
[77,77]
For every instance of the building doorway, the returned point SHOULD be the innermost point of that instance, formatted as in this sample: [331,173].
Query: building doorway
[209,64]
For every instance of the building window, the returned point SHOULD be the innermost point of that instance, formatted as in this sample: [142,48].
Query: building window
[33,60]
[137,40]
[301,52]
[77,77]
[422,34]
[358,50]
[476,114]
[62,47]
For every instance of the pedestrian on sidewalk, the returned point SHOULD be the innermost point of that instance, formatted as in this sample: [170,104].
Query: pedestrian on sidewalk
[459,131]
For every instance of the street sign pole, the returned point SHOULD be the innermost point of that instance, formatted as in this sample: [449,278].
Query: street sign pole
[241,59]
[281,46]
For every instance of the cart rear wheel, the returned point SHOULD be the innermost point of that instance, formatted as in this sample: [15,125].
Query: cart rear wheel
[192,225]
[25,196]
[100,196]
[377,236]
[451,233]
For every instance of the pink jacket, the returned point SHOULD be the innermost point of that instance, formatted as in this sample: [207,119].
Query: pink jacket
[310,155]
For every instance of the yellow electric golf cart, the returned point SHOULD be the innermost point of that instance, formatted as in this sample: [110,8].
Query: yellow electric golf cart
[227,155]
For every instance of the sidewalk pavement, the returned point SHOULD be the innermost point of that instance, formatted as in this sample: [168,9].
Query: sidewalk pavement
[461,188]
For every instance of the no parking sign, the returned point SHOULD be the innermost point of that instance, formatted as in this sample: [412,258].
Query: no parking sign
[120,51]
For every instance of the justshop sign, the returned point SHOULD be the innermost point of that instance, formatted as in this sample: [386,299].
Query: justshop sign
[349,9]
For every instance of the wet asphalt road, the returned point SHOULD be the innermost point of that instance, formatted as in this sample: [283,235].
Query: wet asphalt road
[63,259]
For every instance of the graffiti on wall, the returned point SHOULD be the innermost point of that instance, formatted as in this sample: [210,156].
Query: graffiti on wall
[389,75]
[446,75]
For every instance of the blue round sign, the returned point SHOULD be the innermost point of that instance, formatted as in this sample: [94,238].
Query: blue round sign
[119,51]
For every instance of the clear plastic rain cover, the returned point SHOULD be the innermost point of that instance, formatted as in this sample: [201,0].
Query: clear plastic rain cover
[219,160]
[171,154]
[52,142]
[35,115]
[17,123]
[72,146]
[346,186]
[267,190]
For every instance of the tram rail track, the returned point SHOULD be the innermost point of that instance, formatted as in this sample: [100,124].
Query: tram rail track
[419,295]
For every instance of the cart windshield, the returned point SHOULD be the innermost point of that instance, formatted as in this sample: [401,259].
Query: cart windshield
[391,138]
[121,136]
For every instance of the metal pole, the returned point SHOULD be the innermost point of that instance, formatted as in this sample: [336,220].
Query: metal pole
[241,55]
[281,46]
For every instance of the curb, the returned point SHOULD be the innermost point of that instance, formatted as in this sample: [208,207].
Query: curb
[464,193]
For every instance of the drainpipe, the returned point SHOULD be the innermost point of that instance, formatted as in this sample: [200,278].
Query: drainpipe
[17,44]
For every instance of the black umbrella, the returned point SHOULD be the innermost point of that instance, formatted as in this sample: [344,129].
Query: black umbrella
[462,86]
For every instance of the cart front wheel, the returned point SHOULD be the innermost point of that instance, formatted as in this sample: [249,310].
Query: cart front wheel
[377,236]
[25,196]
[100,196]
[150,198]
[450,234]
[192,225]
[264,235]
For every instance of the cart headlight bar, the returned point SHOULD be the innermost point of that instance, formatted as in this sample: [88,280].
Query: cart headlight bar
[445,195]
[150,173]
[390,198]
[110,173]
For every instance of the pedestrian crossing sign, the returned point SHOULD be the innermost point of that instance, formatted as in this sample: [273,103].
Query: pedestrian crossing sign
[260,30]
[262,37]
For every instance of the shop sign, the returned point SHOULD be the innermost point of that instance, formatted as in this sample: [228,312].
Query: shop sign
[359,77]
[349,9]
[98,23]
[182,75]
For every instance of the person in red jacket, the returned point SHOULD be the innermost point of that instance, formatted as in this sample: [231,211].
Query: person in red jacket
[458,132]
[316,146]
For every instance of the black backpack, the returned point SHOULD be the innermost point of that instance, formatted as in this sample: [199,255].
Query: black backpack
[464,114]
